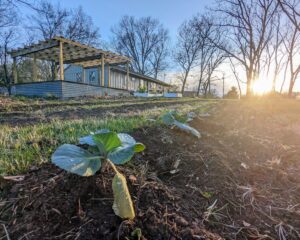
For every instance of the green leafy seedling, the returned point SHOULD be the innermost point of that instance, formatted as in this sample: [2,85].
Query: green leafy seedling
[104,147]
[174,119]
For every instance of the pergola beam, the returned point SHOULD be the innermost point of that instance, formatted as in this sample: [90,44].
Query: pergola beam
[34,49]
[62,51]
[50,50]
[81,60]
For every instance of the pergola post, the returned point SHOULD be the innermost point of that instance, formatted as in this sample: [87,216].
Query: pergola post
[14,70]
[147,86]
[127,75]
[55,71]
[99,75]
[61,60]
[83,75]
[34,69]
[102,70]
[108,75]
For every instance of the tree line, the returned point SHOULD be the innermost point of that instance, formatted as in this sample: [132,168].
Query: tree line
[253,37]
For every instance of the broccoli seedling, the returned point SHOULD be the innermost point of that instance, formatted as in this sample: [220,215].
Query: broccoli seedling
[104,147]
[174,119]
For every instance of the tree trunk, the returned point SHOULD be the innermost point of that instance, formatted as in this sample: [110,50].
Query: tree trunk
[249,82]
[205,89]
[284,77]
[7,80]
[184,82]
[239,86]
[199,85]
[274,83]
[291,87]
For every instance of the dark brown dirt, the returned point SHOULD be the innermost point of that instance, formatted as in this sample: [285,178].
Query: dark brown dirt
[239,181]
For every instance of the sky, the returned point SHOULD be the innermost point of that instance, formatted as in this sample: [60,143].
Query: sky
[107,13]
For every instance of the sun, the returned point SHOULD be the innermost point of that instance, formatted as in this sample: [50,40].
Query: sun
[261,86]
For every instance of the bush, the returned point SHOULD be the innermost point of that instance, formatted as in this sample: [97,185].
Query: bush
[142,89]
[232,93]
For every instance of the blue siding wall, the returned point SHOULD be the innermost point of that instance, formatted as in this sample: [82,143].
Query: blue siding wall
[91,76]
[106,76]
[74,73]
[64,89]
[40,89]
[70,89]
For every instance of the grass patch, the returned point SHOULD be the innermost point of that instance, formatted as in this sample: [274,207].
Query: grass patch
[22,147]
[31,145]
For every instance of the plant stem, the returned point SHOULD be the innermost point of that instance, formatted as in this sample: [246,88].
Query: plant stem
[113,166]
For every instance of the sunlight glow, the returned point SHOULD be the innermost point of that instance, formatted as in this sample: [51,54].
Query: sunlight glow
[262,86]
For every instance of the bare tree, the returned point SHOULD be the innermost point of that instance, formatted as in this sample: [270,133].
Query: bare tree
[144,40]
[210,56]
[80,28]
[249,26]
[51,20]
[7,39]
[7,14]
[236,75]
[187,50]
[274,55]
[291,8]
[292,46]
[160,54]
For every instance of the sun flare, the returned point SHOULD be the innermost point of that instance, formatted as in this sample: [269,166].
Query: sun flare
[261,86]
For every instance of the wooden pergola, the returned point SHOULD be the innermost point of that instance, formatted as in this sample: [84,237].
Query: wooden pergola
[65,51]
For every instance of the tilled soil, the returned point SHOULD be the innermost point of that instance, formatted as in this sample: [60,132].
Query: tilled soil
[239,181]
[43,112]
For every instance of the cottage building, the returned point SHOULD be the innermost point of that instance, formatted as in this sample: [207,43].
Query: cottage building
[80,70]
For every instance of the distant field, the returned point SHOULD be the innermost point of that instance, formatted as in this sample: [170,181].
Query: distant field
[31,129]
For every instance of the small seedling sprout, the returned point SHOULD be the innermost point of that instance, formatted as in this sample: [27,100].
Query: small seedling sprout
[104,147]
[174,119]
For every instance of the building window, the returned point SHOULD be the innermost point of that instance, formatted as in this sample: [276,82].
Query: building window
[92,77]
[78,77]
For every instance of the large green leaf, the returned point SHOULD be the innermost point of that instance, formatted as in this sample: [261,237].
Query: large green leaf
[76,160]
[126,139]
[89,139]
[123,206]
[107,142]
[126,146]
[124,153]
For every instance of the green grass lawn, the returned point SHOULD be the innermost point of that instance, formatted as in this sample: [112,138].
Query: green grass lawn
[23,146]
